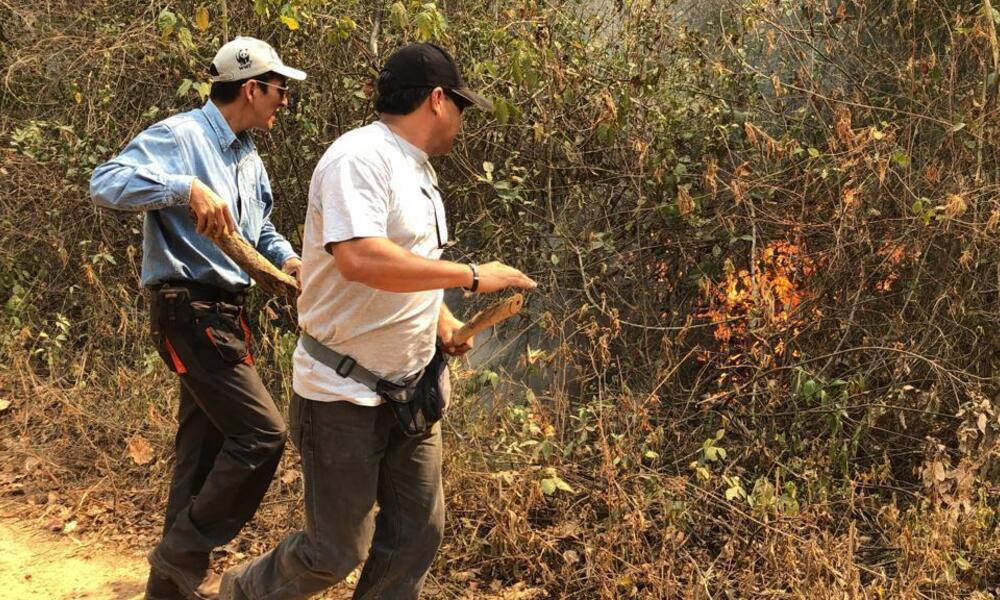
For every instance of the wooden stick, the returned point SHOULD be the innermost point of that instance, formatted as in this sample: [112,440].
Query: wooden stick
[271,279]
[485,319]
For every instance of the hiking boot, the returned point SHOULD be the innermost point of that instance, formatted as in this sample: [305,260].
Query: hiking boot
[230,589]
[159,587]
[191,583]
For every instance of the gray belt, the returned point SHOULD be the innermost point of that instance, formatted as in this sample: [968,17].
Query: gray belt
[343,365]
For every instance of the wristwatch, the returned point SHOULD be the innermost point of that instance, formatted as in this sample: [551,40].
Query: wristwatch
[475,278]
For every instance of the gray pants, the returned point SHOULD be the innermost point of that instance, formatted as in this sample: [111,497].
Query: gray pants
[352,458]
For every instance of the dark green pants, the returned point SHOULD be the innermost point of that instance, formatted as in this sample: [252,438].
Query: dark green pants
[354,457]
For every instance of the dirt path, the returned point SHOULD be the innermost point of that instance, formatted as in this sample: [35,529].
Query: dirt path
[37,565]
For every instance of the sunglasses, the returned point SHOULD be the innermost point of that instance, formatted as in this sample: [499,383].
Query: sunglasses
[459,101]
[282,91]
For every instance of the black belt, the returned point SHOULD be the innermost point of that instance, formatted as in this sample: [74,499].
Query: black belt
[204,292]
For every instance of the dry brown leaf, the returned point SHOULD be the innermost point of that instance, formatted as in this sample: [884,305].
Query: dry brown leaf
[4,404]
[711,172]
[684,202]
[991,223]
[31,463]
[956,206]
[289,475]
[140,450]
[845,131]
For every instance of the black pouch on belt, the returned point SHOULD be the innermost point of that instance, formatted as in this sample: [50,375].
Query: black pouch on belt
[417,404]
[212,335]
[169,307]
[421,402]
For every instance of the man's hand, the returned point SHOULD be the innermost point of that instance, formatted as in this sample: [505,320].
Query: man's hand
[448,326]
[495,276]
[211,213]
[293,266]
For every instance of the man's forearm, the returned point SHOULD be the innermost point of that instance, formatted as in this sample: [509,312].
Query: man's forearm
[445,316]
[383,265]
[446,312]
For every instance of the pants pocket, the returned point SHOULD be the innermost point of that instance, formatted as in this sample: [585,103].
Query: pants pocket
[220,336]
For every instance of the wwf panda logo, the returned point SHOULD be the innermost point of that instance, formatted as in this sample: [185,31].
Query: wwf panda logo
[243,58]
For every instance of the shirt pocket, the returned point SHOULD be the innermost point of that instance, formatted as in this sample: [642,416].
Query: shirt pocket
[251,202]
[248,179]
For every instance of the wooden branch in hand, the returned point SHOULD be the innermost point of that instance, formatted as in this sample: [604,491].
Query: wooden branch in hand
[270,279]
[489,317]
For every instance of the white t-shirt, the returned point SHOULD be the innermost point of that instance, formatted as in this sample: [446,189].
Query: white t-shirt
[369,183]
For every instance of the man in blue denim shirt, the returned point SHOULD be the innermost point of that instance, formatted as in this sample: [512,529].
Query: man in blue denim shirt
[198,176]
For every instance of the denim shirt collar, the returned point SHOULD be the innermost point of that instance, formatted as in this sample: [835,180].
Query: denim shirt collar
[221,128]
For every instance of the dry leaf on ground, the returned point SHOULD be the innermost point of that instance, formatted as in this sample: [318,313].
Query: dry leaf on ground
[140,450]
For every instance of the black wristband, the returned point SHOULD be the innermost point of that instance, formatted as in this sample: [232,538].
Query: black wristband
[475,278]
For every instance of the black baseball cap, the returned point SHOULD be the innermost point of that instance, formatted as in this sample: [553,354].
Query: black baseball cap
[426,66]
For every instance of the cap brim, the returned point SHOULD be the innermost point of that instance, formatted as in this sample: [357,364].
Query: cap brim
[289,72]
[475,98]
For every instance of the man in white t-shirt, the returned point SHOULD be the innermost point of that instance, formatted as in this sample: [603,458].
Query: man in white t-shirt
[372,289]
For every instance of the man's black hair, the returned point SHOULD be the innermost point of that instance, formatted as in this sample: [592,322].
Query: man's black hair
[402,102]
[224,92]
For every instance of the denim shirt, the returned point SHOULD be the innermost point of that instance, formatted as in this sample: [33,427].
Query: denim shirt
[154,175]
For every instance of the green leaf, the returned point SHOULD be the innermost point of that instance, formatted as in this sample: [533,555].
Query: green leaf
[901,158]
[184,87]
[502,112]
[203,88]
[291,22]
[184,36]
[425,26]
[397,15]
[548,487]
[813,152]
[166,21]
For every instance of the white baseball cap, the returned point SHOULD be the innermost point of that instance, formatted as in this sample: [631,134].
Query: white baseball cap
[247,57]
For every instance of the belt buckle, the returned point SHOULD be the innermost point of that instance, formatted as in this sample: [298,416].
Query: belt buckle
[345,373]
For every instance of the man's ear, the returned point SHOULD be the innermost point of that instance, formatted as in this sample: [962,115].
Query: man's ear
[249,89]
[437,100]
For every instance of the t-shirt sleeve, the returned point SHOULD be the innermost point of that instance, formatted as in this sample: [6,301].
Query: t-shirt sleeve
[354,200]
